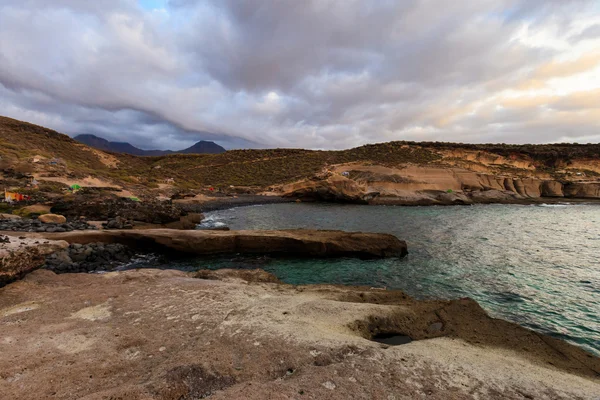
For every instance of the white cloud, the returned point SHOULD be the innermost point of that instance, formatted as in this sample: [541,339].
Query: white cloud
[317,73]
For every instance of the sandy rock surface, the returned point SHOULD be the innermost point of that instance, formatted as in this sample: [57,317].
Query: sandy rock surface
[152,334]
[52,219]
[303,242]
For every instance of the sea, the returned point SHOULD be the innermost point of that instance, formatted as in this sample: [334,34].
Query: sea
[535,265]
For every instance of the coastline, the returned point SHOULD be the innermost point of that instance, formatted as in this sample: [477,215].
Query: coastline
[171,335]
[226,202]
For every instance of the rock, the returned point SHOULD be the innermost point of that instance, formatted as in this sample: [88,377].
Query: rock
[52,219]
[215,228]
[552,189]
[582,190]
[89,257]
[36,209]
[299,242]
[330,187]
[152,334]
[21,256]
[103,208]
[29,225]
[189,221]
[11,217]
[118,223]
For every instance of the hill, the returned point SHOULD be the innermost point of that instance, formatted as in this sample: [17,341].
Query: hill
[202,147]
[394,168]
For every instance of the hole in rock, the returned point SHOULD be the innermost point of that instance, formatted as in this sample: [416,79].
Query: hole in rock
[392,339]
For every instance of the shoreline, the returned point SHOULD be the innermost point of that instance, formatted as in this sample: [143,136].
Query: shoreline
[226,203]
[254,338]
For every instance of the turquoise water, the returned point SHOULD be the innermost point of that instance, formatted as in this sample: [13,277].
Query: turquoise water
[533,265]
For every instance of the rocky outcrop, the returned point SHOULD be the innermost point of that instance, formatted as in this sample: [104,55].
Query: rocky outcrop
[52,219]
[329,187]
[89,257]
[189,221]
[247,275]
[118,223]
[431,185]
[34,210]
[19,256]
[151,334]
[9,217]
[34,225]
[552,189]
[296,242]
[103,208]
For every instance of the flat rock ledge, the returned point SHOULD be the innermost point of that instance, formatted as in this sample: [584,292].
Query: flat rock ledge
[151,334]
[297,242]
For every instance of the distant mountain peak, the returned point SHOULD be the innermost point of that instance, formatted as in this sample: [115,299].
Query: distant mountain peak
[202,147]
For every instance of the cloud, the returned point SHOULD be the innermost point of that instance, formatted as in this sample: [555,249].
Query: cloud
[315,74]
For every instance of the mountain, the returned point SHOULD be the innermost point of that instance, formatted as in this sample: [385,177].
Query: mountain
[202,147]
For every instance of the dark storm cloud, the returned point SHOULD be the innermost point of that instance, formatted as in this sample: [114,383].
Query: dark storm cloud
[315,73]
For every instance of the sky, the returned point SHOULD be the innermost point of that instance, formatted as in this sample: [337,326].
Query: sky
[319,74]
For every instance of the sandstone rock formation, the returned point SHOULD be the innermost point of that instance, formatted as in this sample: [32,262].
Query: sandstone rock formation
[36,209]
[582,190]
[19,256]
[297,242]
[152,334]
[52,219]
[431,185]
[329,187]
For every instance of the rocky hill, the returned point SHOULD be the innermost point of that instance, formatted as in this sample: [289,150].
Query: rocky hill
[202,147]
[406,172]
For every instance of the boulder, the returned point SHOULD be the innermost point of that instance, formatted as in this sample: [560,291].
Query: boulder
[296,242]
[36,209]
[19,256]
[582,190]
[118,223]
[103,208]
[11,217]
[52,219]
[189,221]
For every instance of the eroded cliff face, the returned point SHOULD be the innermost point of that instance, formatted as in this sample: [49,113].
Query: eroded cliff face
[440,184]
[329,187]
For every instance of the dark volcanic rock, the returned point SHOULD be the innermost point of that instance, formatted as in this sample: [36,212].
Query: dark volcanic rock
[34,225]
[118,223]
[104,208]
[89,257]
